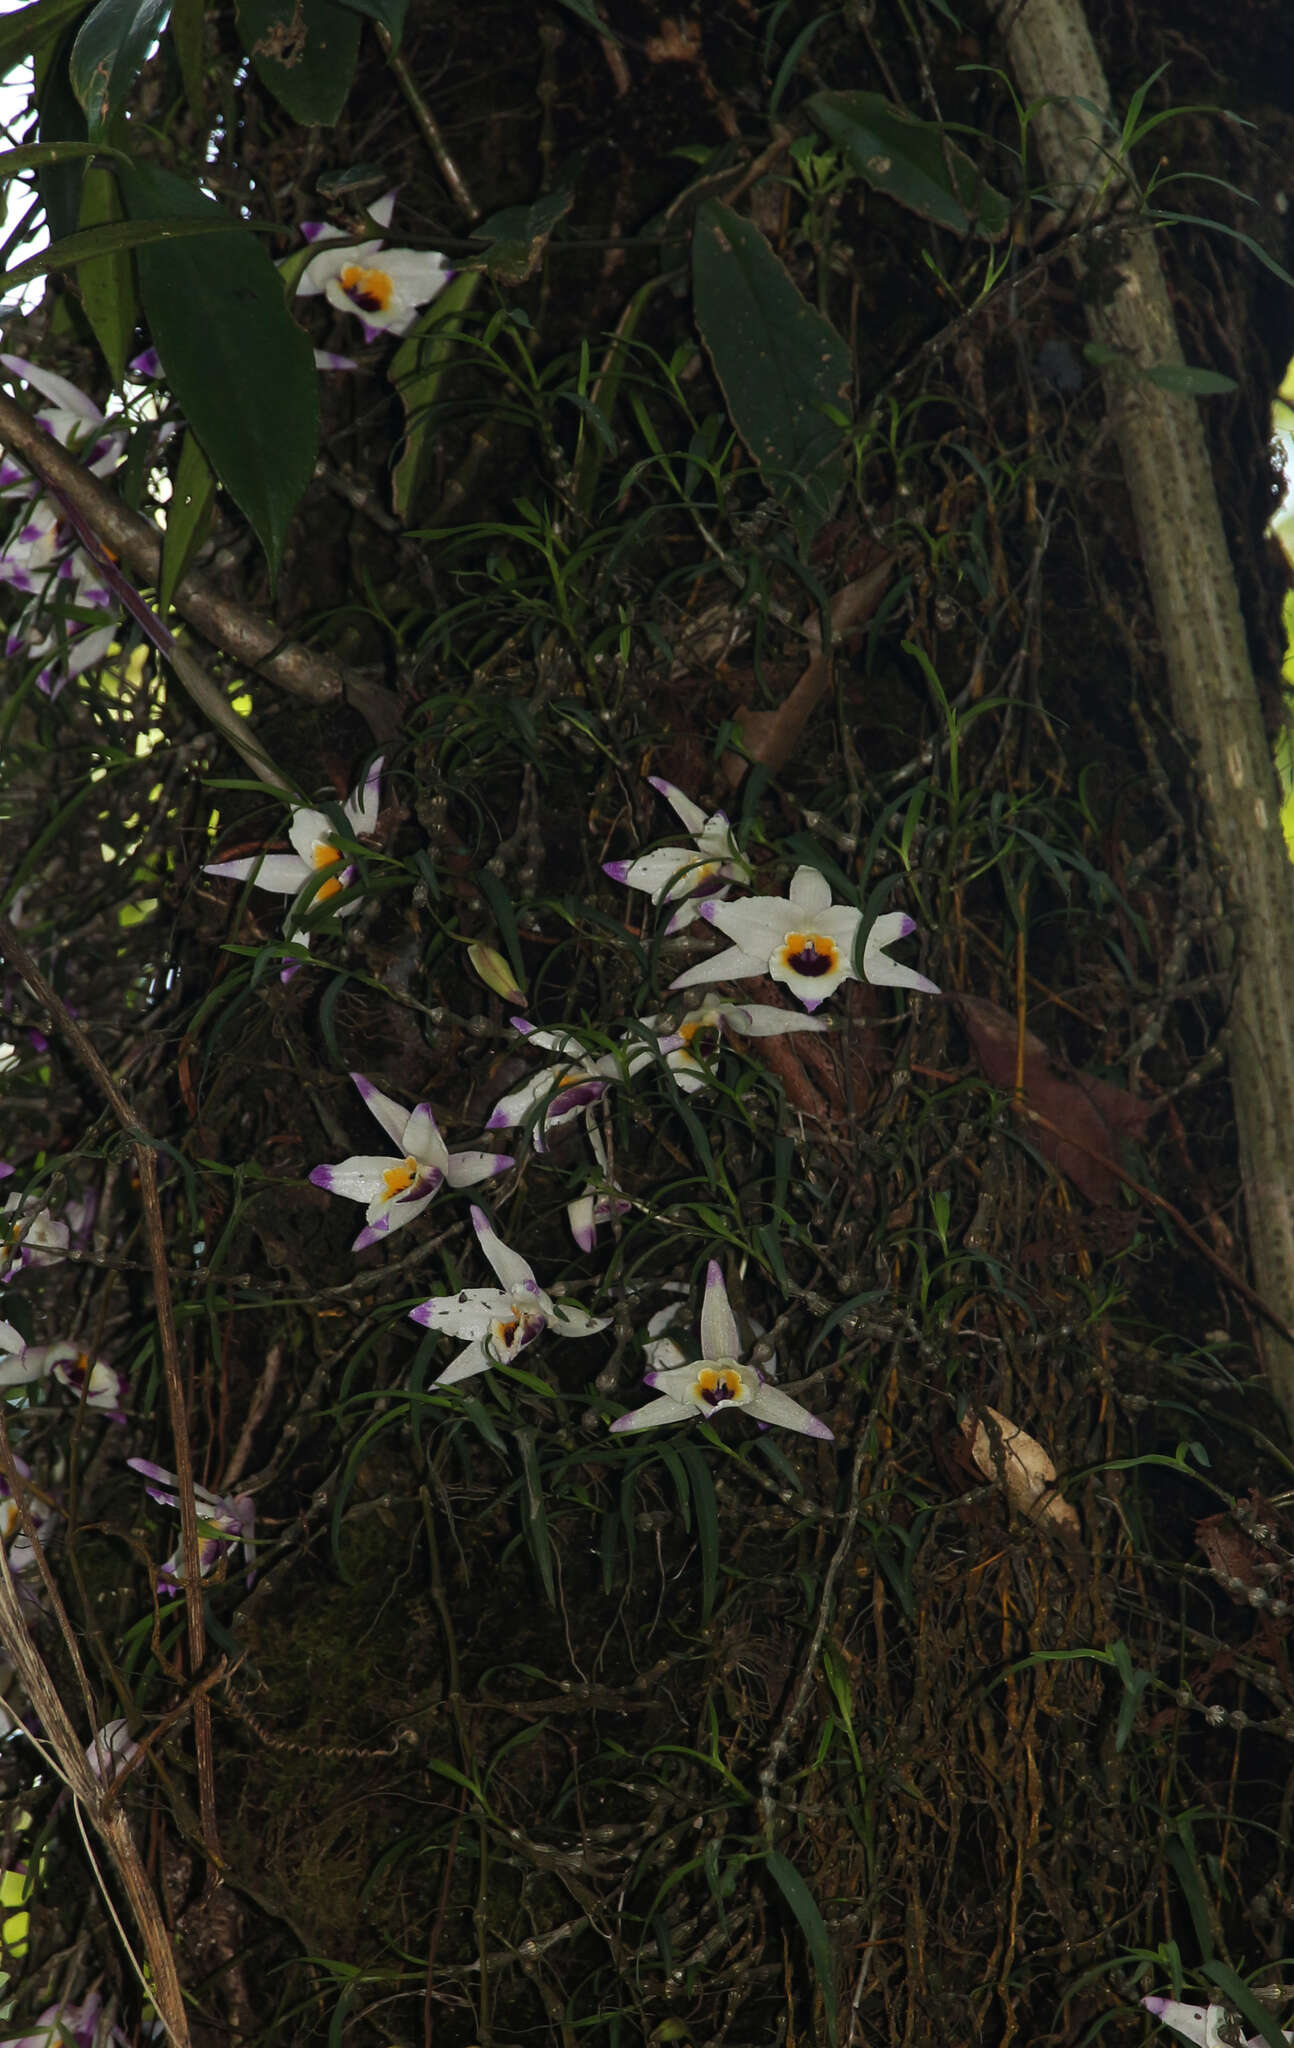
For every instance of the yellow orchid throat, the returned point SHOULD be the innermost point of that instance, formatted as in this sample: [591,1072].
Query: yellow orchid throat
[324,855]
[397,1180]
[369,290]
[809,953]
[715,1384]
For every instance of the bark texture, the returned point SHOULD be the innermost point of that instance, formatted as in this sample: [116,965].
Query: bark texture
[1214,695]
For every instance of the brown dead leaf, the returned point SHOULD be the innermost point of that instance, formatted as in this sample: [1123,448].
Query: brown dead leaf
[770,737]
[1017,1461]
[1084,1116]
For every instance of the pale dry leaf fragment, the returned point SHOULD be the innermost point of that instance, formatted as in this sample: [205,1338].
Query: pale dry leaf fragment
[1004,1452]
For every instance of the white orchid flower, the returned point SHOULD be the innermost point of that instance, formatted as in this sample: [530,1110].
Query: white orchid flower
[17,1543]
[225,1525]
[79,2024]
[313,837]
[572,1086]
[717,1380]
[804,941]
[398,1190]
[714,1020]
[94,1381]
[1209,2026]
[500,1322]
[597,1204]
[111,1748]
[383,287]
[682,874]
[29,1237]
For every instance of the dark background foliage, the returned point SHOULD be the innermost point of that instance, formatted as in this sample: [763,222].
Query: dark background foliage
[526,1733]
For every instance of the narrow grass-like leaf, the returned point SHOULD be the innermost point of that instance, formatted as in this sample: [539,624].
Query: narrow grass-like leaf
[417,371]
[707,1524]
[1254,2014]
[188,515]
[533,1515]
[241,369]
[70,250]
[107,283]
[781,365]
[812,1925]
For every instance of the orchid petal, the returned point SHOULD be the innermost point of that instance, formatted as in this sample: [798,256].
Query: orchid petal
[468,1169]
[770,1405]
[879,969]
[510,1268]
[469,1313]
[719,1336]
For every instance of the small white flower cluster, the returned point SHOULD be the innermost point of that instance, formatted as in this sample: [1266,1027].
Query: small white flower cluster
[802,940]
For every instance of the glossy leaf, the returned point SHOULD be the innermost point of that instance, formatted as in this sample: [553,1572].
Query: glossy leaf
[111,45]
[89,243]
[518,236]
[107,283]
[60,122]
[241,370]
[781,365]
[304,51]
[25,31]
[188,516]
[187,17]
[915,162]
[813,1927]
[417,369]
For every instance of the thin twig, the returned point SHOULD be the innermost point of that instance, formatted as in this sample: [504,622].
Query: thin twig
[13,950]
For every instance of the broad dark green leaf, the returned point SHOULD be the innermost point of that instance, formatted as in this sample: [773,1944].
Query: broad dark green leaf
[304,51]
[188,515]
[389,14]
[25,31]
[110,47]
[780,364]
[812,1925]
[518,236]
[86,244]
[34,155]
[916,162]
[107,283]
[187,17]
[60,121]
[241,369]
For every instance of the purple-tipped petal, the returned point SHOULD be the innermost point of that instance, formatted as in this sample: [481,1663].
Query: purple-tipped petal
[617,869]
[322,1177]
[371,1234]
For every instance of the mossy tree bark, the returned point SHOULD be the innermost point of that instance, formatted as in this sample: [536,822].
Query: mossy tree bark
[1215,699]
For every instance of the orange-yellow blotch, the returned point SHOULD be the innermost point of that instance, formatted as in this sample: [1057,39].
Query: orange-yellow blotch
[370,290]
[397,1179]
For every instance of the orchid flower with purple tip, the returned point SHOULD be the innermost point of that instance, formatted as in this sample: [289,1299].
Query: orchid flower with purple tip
[42,1513]
[572,1086]
[383,287]
[681,874]
[29,1236]
[95,1382]
[398,1190]
[804,941]
[226,1525]
[79,2024]
[717,1380]
[315,853]
[1209,2026]
[501,1322]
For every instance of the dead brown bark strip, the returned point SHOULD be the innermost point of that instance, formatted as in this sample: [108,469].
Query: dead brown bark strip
[1188,569]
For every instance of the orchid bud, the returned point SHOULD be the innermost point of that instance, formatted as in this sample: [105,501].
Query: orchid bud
[495,972]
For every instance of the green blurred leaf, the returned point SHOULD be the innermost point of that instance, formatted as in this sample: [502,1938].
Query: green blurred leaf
[187,17]
[916,162]
[111,45]
[304,51]
[103,241]
[707,1523]
[780,364]
[585,11]
[416,371]
[518,235]
[25,31]
[107,283]
[241,370]
[1187,381]
[34,155]
[813,1927]
[188,516]
[534,1515]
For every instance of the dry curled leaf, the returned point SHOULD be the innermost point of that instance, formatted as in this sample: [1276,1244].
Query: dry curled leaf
[1004,1452]
[1081,1117]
